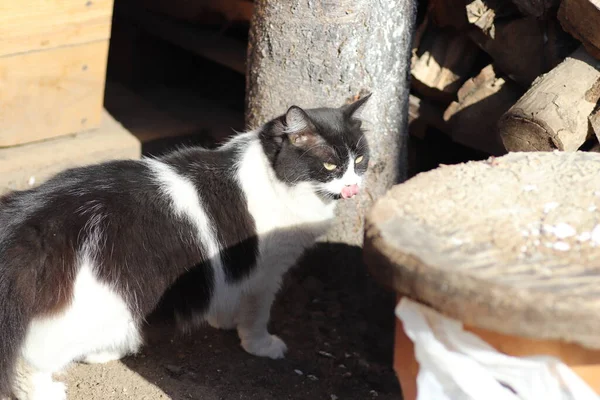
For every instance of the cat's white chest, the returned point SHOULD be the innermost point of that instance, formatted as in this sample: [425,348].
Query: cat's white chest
[297,210]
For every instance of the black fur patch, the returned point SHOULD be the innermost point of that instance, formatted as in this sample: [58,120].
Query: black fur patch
[339,137]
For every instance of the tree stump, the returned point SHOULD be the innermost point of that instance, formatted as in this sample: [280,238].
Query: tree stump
[509,246]
[553,113]
[325,53]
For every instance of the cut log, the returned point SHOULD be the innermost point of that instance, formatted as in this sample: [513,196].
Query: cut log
[449,13]
[423,114]
[481,102]
[508,245]
[581,18]
[443,60]
[536,8]
[553,113]
[594,119]
[525,48]
[331,52]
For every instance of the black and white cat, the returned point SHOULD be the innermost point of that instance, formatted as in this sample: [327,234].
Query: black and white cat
[88,255]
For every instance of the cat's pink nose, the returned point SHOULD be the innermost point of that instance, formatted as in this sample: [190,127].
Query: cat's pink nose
[349,191]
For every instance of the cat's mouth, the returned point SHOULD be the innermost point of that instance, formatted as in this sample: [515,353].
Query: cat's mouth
[349,191]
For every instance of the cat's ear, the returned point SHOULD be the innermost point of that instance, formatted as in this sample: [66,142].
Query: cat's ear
[353,109]
[299,129]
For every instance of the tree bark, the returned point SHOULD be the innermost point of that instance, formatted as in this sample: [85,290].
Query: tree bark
[326,53]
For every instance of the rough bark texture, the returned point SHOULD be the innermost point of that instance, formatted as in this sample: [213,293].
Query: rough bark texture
[325,53]
[581,18]
[553,113]
[481,102]
[511,244]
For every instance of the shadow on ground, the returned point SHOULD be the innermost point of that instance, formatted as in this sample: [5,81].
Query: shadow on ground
[338,325]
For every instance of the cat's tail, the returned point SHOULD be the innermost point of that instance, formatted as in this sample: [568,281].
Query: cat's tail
[15,314]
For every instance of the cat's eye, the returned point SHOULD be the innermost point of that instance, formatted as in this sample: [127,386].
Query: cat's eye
[329,167]
[358,159]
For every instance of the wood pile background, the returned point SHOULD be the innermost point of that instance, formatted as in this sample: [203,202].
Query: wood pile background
[498,76]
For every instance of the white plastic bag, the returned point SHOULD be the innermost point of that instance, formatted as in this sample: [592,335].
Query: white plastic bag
[458,365]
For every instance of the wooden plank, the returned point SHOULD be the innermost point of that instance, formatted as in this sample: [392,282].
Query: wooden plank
[51,93]
[26,166]
[27,25]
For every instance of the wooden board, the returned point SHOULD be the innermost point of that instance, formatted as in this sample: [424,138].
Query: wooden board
[26,166]
[51,93]
[511,244]
[27,25]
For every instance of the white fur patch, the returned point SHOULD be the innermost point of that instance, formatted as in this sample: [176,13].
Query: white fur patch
[187,203]
[349,178]
[97,320]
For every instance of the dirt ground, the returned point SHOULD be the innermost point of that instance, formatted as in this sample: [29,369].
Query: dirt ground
[336,321]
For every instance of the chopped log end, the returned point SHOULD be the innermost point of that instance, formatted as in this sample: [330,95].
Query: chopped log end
[498,243]
[524,134]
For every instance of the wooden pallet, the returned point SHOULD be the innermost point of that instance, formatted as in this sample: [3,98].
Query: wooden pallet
[53,57]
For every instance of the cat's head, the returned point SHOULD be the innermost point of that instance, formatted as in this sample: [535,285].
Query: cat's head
[322,146]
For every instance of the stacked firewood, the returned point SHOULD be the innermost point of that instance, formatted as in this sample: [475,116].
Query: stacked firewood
[498,75]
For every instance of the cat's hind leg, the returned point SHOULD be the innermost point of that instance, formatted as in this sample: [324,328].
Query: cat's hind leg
[32,384]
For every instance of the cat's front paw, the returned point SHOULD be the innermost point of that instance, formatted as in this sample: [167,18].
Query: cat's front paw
[267,346]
